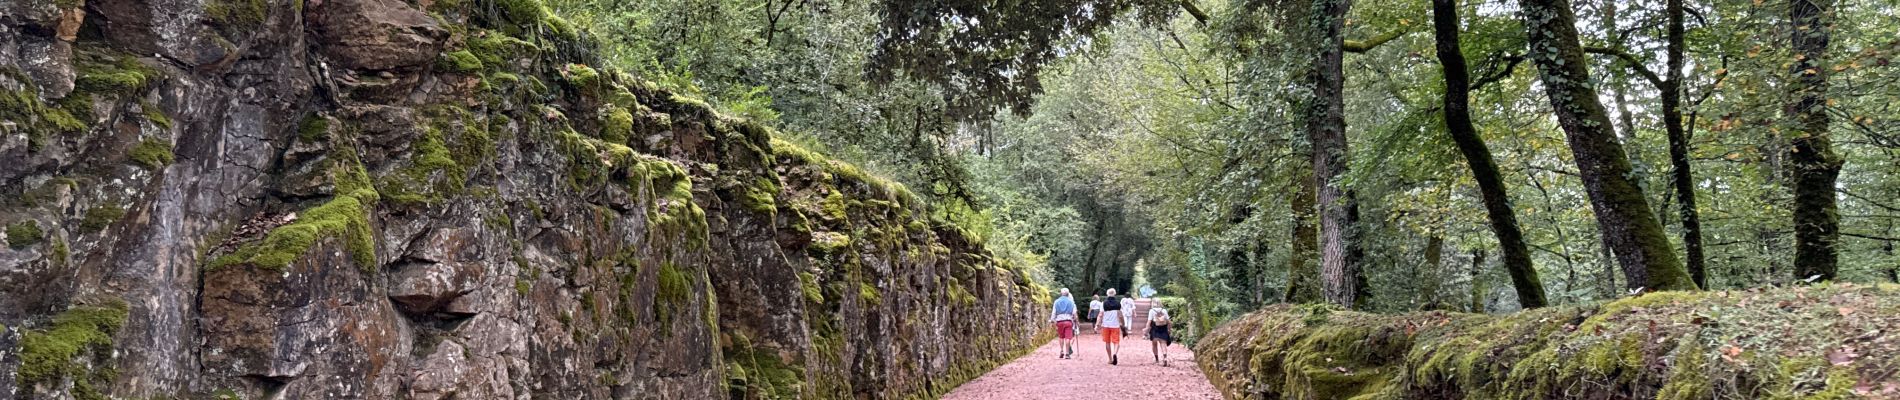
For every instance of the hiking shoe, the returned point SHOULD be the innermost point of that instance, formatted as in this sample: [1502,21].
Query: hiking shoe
[1111,360]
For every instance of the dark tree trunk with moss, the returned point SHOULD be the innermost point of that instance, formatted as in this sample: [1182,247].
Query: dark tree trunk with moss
[1323,113]
[1302,279]
[1484,169]
[1680,174]
[1431,278]
[1478,288]
[1817,220]
[1622,211]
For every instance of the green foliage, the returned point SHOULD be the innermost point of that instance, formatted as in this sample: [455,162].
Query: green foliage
[24,233]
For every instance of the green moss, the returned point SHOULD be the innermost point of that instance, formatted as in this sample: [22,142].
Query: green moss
[156,115]
[345,217]
[961,296]
[673,294]
[77,346]
[237,15]
[60,256]
[460,61]
[617,126]
[313,128]
[761,374]
[560,28]
[809,285]
[760,196]
[823,243]
[869,294]
[584,79]
[523,286]
[38,118]
[833,207]
[100,217]
[153,154]
[496,49]
[24,233]
[100,72]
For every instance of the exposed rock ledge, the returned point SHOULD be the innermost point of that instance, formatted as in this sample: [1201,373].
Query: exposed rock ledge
[442,199]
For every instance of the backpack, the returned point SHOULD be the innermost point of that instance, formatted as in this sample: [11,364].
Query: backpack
[1161,319]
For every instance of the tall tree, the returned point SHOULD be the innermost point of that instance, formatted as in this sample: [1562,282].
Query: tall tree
[1484,169]
[1301,276]
[1322,112]
[1816,168]
[1682,178]
[1622,210]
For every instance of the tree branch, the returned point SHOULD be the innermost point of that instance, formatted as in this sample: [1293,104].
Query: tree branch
[1356,46]
[1193,10]
[1511,62]
[1864,236]
[1630,60]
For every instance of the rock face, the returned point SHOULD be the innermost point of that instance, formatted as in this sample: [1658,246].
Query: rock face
[1833,342]
[375,199]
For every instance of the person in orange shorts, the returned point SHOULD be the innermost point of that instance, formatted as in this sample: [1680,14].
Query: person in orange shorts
[1111,323]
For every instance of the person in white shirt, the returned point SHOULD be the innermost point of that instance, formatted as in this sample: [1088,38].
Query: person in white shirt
[1095,313]
[1160,327]
[1112,326]
[1128,312]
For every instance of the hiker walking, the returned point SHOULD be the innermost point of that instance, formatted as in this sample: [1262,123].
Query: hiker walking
[1095,313]
[1063,316]
[1160,331]
[1128,313]
[1112,322]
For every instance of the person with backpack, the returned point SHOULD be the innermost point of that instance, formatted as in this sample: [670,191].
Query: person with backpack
[1160,335]
[1112,324]
[1128,315]
[1095,313]
[1063,316]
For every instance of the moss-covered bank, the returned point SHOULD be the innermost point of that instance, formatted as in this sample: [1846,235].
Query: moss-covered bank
[1829,342]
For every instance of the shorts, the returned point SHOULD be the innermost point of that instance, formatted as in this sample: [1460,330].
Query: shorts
[1065,329]
[1093,315]
[1160,333]
[1112,335]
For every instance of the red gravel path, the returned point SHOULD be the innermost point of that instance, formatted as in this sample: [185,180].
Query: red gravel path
[1041,375]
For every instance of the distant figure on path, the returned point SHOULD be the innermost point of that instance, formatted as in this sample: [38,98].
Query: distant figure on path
[1095,313]
[1113,321]
[1064,317]
[1128,313]
[1160,335]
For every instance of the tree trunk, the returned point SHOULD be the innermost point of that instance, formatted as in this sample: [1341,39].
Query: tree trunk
[1816,167]
[1478,287]
[1325,122]
[1484,169]
[1430,278]
[1302,278]
[1622,211]
[1682,177]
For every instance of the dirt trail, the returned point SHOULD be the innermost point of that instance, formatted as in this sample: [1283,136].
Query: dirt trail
[1041,375]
